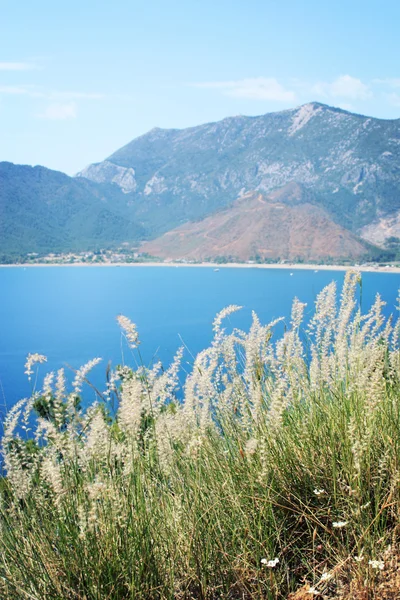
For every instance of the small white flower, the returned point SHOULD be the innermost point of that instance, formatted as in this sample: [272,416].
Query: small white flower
[339,524]
[319,492]
[270,563]
[313,591]
[326,577]
[358,558]
[377,564]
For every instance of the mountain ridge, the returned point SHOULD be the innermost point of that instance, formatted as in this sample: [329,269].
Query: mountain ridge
[42,211]
[349,160]
[349,164]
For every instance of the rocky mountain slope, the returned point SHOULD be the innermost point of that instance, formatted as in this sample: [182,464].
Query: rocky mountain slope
[44,211]
[351,163]
[282,225]
[346,166]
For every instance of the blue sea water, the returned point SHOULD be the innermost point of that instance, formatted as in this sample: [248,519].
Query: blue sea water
[69,313]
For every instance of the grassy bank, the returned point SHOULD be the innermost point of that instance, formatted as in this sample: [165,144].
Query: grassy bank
[278,474]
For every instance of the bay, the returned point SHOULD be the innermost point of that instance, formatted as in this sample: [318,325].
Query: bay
[69,313]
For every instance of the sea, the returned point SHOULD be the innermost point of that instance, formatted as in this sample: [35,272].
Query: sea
[69,313]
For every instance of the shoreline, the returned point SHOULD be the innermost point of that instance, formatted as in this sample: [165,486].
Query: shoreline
[286,266]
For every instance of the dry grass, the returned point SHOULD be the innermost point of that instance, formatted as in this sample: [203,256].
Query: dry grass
[277,472]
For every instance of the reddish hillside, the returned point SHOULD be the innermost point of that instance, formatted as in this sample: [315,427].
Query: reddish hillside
[282,225]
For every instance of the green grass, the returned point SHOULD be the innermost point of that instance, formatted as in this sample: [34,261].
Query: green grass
[269,451]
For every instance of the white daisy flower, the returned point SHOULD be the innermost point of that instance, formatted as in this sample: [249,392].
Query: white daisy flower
[377,564]
[339,524]
[270,563]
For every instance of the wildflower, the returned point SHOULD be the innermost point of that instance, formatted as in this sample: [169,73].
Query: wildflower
[377,564]
[130,330]
[326,577]
[358,558]
[313,591]
[319,492]
[339,524]
[270,563]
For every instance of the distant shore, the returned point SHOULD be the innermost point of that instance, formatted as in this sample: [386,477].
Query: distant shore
[289,266]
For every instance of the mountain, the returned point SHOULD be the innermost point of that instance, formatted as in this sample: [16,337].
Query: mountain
[350,163]
[328,173]
[107,172]
[44,211]
[282,225]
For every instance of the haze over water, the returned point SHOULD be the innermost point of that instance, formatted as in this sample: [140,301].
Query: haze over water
[69,313]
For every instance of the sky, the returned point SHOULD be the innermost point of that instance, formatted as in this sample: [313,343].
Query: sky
[80,79]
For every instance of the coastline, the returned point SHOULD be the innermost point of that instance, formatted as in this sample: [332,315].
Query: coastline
[286,266]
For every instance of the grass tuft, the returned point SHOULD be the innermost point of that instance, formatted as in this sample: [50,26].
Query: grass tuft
[277,475]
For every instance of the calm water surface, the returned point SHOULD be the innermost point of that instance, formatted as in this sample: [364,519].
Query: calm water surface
[68,313]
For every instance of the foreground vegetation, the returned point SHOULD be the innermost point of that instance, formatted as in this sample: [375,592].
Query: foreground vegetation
[277,473]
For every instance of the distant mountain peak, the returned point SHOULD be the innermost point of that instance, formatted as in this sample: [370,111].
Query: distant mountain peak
[313,104]
[349,163]
[303,115]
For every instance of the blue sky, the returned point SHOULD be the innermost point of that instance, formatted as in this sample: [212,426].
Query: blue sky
[80,79]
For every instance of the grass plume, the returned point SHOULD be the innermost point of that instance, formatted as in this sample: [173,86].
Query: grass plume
[277,474]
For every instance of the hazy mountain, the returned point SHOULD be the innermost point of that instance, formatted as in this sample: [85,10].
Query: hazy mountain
[347,167]
[43,210]
[283,225]
[351,163]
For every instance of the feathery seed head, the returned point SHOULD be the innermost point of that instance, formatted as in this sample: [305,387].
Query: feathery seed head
[129,330]
[31,360]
